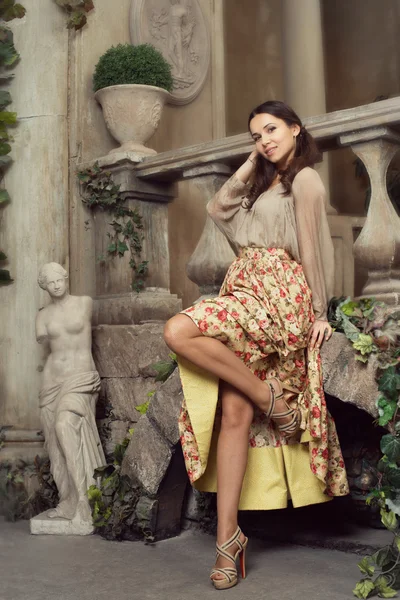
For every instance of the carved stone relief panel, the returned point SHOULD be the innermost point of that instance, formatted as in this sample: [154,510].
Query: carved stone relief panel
[178,29]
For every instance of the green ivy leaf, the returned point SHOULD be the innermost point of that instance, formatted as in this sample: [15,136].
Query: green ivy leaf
[364,588]
[8,55]
[2,255]
[364,344]
[13,12]
[390,382]
[350,330]
[389,409]
[351,309]
[5,276]
[361,358]
[4,197]
[142,408]
[393,476]
[4,148]
[8,117]
[389,519]
[122,248]
[164,369]
[365,566]
[384,591]
[382,557]
[5,99]
[390,445]
[112,248]
[93,493]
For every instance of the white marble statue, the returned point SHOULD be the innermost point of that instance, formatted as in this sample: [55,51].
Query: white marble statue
[68,398]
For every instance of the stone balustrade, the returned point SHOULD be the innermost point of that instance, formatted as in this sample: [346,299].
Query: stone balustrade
[370,131]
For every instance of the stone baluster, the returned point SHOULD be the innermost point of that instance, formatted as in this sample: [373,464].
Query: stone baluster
[378,245]
[213,254]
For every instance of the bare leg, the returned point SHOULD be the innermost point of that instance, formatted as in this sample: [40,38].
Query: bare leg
[185,338]
[233,444]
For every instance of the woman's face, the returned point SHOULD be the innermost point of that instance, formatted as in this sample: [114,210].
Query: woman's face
[275,140]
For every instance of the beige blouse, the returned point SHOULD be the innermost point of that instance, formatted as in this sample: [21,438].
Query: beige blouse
[296,223]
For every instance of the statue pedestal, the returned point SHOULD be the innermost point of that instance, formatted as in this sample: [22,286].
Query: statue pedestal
[44,525]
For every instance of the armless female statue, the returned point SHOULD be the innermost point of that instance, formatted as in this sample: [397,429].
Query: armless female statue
[69,394]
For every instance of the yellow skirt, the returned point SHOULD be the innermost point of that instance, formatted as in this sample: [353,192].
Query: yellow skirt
[263,314]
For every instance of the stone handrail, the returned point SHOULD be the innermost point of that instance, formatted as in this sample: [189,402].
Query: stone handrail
[326,129]
[370,130]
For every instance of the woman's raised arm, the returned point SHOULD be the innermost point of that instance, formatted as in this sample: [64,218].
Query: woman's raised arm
[229,198]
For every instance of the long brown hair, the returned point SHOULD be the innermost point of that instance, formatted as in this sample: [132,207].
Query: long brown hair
[306,153]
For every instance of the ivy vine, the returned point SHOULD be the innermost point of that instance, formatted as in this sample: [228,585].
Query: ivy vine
[77,11]
[102,193]
[374,330]
[9,56]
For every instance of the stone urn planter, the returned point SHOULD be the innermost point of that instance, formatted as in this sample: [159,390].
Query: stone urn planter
[132,114]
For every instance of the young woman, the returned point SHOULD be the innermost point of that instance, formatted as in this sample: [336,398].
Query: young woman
[254,417]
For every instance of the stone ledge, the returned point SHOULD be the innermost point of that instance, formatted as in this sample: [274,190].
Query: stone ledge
[133,308]
[170,165]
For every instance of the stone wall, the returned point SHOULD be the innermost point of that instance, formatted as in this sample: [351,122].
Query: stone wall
[124,356]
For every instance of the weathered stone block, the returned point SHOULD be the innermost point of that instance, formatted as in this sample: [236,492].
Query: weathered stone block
[347,378]
[165,406]
[147,456]
[152,347]
[123,394]
[128,350]
[115,350]
[146,513]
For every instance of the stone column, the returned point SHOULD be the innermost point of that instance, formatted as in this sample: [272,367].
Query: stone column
[34,226]
[304,73]
[213,255]
[115,302]
[218,70]
[378,246]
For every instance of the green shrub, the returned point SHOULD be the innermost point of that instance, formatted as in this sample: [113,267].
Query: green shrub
[132,64]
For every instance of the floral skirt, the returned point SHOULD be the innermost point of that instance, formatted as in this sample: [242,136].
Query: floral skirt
[263,313]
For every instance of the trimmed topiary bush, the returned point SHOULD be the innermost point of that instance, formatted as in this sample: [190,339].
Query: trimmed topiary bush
[125,63]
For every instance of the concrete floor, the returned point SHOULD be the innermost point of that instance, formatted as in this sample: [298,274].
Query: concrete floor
[90,568]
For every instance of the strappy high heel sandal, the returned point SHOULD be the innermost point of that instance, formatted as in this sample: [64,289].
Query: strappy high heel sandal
[289,427]
[230,573]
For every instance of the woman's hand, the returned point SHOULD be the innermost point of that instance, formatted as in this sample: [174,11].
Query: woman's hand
[245,171]
[253,156]
[318,331]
